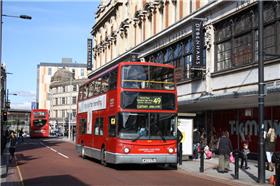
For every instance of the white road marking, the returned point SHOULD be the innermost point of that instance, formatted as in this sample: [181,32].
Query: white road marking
[52,149]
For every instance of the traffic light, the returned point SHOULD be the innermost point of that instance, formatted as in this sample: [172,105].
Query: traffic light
[5,116]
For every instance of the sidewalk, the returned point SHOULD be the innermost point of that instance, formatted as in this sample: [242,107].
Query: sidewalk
[246,177]
[9,174]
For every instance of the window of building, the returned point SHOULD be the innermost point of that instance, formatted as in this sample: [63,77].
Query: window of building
[63,101]
[74,112]
[49,71]
[179,55]
[75,88]
[63,113]
[56,101]
[74,100]
[236,38]
[73,72]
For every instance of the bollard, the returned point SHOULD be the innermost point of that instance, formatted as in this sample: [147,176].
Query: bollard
[201,168]
[236,164]
[180,154]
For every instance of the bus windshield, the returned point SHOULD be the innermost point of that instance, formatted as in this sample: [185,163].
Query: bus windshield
[39,122]
[146,126]
[148,77]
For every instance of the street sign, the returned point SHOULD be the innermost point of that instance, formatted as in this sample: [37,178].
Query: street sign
[33,105]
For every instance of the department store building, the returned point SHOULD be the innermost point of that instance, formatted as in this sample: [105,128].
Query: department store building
[222,94]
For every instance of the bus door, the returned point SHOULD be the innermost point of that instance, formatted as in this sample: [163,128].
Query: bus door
[98,129]
[85,129]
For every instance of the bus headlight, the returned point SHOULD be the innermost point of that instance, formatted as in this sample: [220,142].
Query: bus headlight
[170,150]
[126,150]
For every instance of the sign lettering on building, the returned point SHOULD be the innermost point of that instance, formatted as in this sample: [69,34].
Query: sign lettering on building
[198,43]
[89,54]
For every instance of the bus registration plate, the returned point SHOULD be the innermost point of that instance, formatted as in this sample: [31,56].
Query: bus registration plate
[149,160]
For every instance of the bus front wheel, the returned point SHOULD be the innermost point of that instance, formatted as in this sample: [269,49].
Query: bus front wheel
[103,157]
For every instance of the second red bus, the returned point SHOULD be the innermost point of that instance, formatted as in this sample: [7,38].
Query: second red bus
[39,123]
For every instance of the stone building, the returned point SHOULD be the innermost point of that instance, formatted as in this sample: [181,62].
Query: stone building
[222,94]
[63,100]
[46,70]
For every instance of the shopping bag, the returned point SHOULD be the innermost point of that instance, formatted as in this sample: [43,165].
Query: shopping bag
[272,180]
[231,158]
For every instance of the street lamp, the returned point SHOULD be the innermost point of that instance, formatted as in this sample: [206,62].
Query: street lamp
[1,16]
[20,16]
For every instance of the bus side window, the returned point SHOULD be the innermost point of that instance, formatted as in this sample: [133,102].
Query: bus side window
[113,80]
[83,126]
[98,126]
[112,126]
[105,85]
[91,89]
[101,126]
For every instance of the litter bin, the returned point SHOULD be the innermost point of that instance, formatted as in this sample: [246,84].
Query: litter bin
[276,159]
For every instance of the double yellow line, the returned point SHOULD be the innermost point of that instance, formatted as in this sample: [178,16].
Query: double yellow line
[19,172]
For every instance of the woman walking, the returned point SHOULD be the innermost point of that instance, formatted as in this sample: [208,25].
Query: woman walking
[12,149]
[270,142]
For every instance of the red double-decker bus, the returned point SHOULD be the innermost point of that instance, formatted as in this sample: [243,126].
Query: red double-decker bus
[128,114]
[39,123]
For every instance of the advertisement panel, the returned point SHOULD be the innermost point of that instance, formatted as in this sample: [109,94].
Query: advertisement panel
[186,127]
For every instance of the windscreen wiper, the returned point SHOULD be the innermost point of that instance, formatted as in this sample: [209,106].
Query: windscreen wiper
[139,136]
[162,137]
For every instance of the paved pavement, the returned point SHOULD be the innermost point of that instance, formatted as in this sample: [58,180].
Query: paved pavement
[10,175]
[246,176]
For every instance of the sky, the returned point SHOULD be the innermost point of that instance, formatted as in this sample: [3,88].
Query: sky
[58,29]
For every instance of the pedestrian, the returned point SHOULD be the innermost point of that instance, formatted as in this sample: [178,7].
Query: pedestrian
[270,142]
[196,143]
[224,148]
[20,133]
[244,155]
[12,149]
[179,146]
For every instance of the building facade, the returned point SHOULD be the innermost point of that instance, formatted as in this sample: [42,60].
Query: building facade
[63,100]
[222,94]
[44,73]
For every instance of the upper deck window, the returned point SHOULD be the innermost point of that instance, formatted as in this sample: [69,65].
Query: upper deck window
[39,114]
[148,77]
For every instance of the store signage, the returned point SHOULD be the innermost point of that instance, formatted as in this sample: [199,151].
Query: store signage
[89,54]
[198,43]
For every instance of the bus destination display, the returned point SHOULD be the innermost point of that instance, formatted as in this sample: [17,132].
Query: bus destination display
[149,102]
